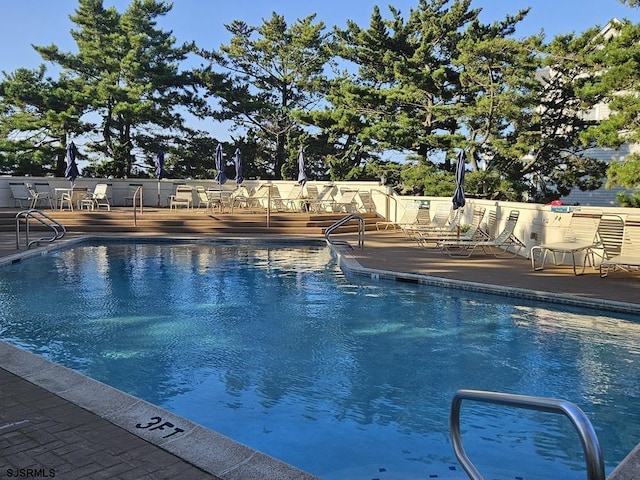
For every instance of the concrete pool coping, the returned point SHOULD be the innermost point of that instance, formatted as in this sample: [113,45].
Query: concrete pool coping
[230,460]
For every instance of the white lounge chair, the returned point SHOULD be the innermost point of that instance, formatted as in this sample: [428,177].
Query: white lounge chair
[445,220]
[505,244]
[629,258]
[473,233]
[409,217]
[346,202]
[99,197]
[581,237]
[182,198]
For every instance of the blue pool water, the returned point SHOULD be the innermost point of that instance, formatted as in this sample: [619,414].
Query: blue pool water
[343,377]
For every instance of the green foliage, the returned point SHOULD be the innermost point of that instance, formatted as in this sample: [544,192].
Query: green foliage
[625,174]
[127,72]
[276,74]
[425,84]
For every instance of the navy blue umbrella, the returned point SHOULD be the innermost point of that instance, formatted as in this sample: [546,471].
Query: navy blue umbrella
[160,171]
[71,171]
[221,178]
[458,195]
[302,176]
[237,160]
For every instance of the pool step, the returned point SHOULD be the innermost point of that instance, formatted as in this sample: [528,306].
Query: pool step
[164,220]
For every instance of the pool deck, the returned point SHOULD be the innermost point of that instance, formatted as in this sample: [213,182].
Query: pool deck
[54,419]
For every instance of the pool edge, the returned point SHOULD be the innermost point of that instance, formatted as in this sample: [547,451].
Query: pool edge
[183,438]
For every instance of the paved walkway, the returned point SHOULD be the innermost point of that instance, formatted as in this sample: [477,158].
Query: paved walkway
[51,421]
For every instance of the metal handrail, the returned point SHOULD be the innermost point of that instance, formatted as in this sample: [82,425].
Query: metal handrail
[588,438]
[340,223]
[136,194]
[58,229]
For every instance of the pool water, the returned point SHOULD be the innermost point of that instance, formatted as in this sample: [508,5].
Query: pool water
[273,346]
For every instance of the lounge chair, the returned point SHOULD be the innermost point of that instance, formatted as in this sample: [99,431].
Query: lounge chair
[473,233]
[44,194]
[99,197]
[22,197]
[581,237]
[274,199]
[182,198]
[346,202]
[319,201]
[501,246]
[629,258]
[444,220]
[366,201]
[610,232]
[409,217]
[207,199]
[293,200]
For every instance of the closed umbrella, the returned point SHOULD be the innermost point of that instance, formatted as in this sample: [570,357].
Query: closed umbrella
[458,195]
[160,171]
[71,171]
[221,178]
[237,160]
[302,176]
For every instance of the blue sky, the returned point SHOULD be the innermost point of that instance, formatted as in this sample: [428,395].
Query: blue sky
[42,22]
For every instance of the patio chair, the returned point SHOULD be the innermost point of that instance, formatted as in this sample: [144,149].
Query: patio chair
[501,246]
[208,199]
[581,237]
[278,203]
[320,201]
[346,202]
[293,200]
[444,220]
[22,197]
[409,217]
[426,237]
[628,259]
[99,197]
[77,197]
[44,194]
[610,232]
[366,201]
[182,198]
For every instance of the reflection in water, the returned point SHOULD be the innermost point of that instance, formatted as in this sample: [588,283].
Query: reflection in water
[276,348]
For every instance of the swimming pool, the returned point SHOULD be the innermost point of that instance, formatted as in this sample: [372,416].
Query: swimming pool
[276,348]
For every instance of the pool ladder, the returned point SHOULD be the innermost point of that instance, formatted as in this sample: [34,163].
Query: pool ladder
[342,222]
[588,438]
[33,214]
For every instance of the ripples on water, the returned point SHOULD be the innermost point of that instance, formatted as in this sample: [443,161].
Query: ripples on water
[345,378]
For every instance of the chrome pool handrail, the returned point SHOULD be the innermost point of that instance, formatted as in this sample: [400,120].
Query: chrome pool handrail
[586,432]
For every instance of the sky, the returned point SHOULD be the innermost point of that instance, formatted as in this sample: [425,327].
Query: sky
[44,22]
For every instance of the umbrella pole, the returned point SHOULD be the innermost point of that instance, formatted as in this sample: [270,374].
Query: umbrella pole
[158,193]
[268,205]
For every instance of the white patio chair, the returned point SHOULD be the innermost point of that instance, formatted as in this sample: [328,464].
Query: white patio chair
[629,257]
[182,198]
[505,244]
[99,196]
[581,237]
